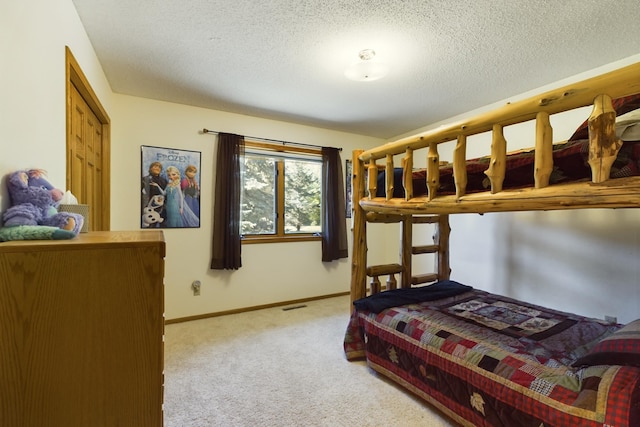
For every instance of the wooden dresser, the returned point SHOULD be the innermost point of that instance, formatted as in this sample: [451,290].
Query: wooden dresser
[81,331]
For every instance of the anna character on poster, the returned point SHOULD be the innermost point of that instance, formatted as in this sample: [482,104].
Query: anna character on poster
[190,189]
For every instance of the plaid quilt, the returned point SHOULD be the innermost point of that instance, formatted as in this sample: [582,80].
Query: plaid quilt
[488,360]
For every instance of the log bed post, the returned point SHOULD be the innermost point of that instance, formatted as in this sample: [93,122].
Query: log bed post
[389,177]
[459,167]
[392,283]
[406,245]
[375,285]
[407,174]
[603,142]
[372,178]
[433,170]
[441,238]
[543,160]
[498,163]
[359,257]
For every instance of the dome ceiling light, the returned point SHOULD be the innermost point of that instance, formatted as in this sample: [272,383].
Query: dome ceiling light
[367,68]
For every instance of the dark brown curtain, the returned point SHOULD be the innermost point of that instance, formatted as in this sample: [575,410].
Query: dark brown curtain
[226,212]
[334,234]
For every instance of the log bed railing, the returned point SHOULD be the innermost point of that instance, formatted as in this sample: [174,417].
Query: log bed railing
[600,192]
[604,145]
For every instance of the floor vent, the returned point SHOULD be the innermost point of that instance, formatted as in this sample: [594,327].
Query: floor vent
[293,307]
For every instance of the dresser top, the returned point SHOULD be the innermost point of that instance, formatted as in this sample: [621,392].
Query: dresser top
[91,239]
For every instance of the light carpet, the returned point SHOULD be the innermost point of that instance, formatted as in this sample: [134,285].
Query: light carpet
[276,367]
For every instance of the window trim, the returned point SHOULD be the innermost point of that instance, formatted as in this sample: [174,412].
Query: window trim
[280,236]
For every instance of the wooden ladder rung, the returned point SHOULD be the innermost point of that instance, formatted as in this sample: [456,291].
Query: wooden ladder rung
[424,278]
[379,218]
[426,249]
[383,270]
[429,219]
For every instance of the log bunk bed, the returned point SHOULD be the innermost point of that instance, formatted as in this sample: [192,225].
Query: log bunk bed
[481,358]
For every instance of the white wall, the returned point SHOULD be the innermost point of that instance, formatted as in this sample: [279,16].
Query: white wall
[579,261]
[270,273]
[33,35]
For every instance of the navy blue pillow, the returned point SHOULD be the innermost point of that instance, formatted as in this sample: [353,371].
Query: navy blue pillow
[396,297]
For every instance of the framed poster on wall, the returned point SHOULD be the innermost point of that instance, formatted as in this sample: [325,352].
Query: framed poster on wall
[170,188]
[348,168]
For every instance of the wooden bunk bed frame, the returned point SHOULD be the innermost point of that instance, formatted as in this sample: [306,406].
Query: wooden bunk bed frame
[599,192]
[462,367]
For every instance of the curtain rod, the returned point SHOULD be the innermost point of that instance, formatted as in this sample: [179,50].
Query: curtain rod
[205,130]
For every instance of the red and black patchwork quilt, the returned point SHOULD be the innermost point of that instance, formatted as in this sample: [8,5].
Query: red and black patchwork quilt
[488,360]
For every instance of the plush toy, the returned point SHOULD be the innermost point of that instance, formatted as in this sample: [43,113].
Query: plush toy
[34,232]
[34,203]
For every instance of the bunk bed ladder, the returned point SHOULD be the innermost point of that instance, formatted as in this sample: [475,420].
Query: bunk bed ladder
[389,270]
[440,247]
[360,269]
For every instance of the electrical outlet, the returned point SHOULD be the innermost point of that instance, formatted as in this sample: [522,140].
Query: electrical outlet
[196,288]
[611,319]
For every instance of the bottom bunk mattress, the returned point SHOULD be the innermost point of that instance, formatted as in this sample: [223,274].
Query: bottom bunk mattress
[488,360]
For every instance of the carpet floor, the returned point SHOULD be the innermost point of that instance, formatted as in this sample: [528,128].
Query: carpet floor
[276,367]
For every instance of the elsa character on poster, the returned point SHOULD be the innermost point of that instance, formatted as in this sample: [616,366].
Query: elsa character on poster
[178,213]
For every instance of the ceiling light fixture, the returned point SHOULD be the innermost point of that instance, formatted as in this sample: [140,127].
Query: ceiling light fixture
[367,69]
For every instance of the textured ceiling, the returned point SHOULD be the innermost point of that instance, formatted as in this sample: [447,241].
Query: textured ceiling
[285,59]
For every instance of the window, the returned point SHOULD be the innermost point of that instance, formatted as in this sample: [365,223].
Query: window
[282,194]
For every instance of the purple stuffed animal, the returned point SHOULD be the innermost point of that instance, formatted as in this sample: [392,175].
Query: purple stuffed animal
[34,201]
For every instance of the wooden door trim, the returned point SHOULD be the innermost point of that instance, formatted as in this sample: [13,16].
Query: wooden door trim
[74,76]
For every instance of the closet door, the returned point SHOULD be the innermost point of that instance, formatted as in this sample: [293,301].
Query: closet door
[88,147]
[86,157]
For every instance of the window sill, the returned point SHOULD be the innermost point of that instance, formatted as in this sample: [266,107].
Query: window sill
[280,239]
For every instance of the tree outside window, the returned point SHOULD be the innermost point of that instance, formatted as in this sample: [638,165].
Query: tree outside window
[282,196]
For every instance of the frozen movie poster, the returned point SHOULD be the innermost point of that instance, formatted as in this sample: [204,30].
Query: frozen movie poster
[170,191]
